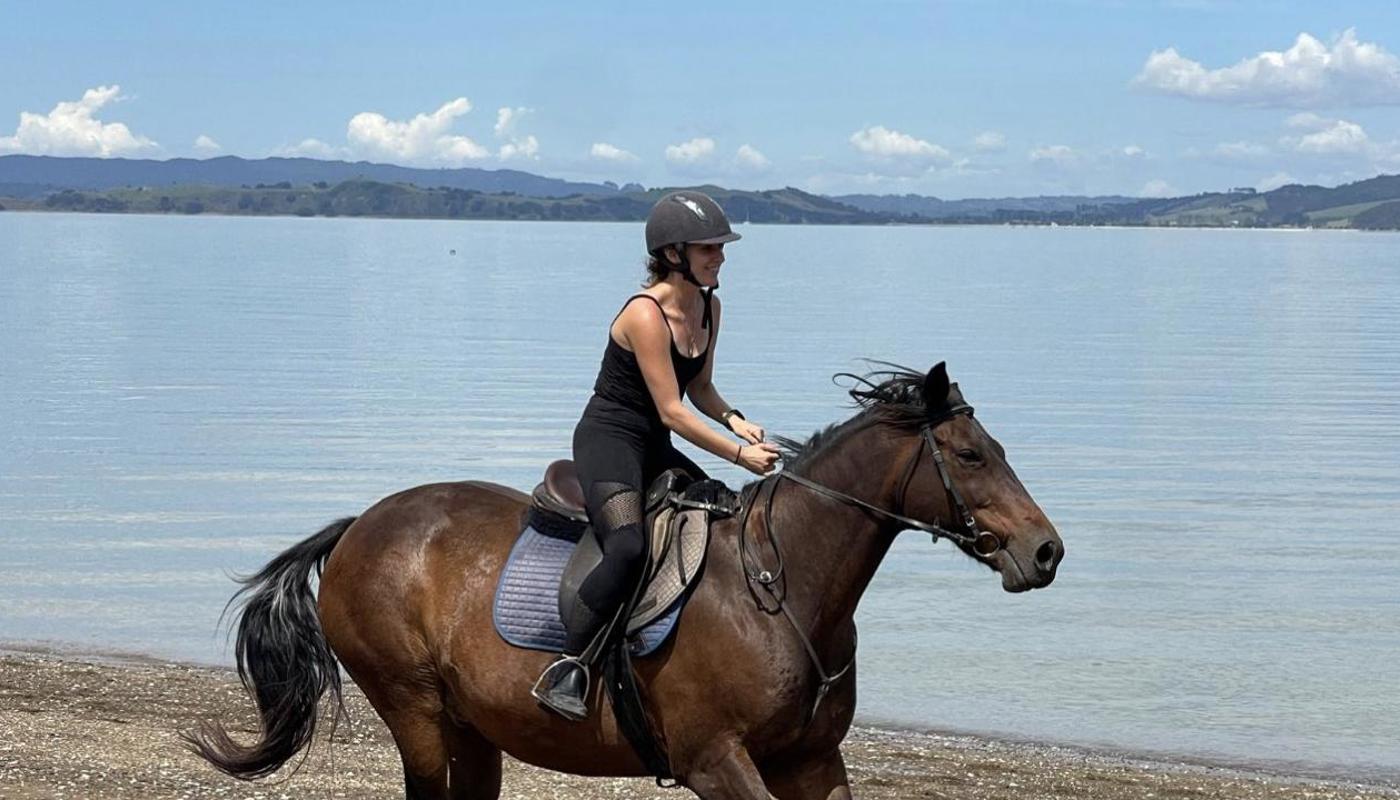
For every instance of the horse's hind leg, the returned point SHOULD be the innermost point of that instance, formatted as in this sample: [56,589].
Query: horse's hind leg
[423,751]
[475,772]
[441,759]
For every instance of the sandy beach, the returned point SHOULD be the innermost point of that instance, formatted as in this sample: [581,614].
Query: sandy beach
[88,726]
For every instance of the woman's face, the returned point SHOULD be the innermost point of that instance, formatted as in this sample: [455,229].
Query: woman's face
[705,261]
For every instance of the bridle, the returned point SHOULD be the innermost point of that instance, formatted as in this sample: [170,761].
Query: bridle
[983,544]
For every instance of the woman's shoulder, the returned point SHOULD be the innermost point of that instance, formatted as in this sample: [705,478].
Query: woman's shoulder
[642,315]
[643,305]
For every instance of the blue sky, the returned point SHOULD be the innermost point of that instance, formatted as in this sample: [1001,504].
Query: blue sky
[953,99]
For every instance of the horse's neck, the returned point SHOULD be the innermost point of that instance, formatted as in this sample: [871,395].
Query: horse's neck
[832,549]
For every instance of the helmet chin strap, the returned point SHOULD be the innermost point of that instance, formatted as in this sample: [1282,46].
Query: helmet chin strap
[708,291]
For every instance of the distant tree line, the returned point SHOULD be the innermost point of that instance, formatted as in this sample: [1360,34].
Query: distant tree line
[1370,204]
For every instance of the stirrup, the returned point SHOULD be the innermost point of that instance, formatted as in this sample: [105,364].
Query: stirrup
[548,690]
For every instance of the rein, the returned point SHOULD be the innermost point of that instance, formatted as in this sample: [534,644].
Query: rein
[984,544]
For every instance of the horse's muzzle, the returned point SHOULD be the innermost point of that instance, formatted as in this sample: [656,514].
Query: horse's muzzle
[1021,570]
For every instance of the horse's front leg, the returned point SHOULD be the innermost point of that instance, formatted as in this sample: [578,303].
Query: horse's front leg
[726,772]
[821,778]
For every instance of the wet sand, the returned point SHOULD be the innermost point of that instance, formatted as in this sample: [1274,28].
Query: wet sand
[80,726]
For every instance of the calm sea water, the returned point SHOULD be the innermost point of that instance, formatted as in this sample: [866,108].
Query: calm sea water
[1211,418]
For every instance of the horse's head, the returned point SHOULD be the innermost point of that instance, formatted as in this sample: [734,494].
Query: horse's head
[1026,549]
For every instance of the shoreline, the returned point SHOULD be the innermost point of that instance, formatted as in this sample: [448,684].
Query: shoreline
[67,716]
[927,224]
[1371,776]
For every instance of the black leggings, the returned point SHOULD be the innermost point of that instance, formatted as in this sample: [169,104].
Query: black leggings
[618,453]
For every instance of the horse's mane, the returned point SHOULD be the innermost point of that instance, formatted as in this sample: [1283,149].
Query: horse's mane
[893,395]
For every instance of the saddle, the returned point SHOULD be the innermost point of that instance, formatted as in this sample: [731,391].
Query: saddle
[555,553]
[676,539]
[556,550]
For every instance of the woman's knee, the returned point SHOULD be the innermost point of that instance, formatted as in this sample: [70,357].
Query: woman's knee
[624,546]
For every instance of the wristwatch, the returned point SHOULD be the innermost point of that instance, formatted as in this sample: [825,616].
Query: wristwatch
[733,412]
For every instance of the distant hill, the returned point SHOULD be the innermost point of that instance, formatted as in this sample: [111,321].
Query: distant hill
[935,208]
[1372,204]
[35,176]
[363,198]
[1354,205]
[308,187]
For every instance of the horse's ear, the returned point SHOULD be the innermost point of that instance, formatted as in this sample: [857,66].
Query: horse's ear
[936,387]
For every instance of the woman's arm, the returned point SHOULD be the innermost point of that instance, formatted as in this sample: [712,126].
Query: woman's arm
[706,397]
[644,328]
[702,391]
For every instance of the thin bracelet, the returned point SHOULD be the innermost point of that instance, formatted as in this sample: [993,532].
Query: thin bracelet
[739,453]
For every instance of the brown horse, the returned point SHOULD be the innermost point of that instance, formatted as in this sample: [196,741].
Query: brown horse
[406,593]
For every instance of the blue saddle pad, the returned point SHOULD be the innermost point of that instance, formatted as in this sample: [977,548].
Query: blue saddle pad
[526,608]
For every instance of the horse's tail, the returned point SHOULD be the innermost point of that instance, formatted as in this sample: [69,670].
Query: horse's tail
[284,661]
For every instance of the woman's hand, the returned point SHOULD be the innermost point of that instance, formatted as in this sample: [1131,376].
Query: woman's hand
[749,432]
[759,457]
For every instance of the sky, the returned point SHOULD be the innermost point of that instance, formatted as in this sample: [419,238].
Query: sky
[949,99]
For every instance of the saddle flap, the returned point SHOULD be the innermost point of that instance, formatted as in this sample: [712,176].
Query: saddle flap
[589,554]
[686,540]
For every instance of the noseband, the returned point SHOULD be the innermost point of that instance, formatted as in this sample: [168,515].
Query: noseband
[983,544]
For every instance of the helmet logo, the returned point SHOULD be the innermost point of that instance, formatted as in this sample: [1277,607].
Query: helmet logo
[692,205]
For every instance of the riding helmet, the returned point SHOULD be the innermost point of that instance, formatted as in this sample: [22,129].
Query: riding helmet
[687,217]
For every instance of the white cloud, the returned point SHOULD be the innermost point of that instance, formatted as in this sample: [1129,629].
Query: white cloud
[1057,154]
[606,152]
[691,152]
[1307,120]
[1133,151]
[424,138]
[312,148]
[989,142]
[966,166]
[528,148]
[70,129]
[1327,136]
[1311,73]
[751,159]
[1239,150]
[1274,181]
[1157,188]
[1341,137]
[506,118]
[205,144]
[882,142]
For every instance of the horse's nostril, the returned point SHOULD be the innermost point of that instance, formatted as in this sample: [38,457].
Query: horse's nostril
[1045,556]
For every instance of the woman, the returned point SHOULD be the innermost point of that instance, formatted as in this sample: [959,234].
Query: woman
[660,348]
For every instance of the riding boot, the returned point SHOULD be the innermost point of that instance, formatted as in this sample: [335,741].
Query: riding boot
[563,686]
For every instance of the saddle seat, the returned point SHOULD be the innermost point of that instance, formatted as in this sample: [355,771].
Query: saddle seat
[560,492]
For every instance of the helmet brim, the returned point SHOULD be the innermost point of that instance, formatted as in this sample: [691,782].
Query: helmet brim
[728,237]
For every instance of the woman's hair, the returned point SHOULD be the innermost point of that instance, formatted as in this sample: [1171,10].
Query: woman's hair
[656,271]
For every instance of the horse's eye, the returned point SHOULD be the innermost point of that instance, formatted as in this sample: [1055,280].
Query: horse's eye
[970,456]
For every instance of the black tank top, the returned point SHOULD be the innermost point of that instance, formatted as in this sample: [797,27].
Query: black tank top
[620,376]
